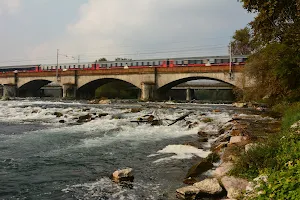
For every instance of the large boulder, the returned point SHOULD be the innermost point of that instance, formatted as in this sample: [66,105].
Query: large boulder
[188,192]
[237,139]
[209,186]
[223,169]
[234,186]
[199,168]
[123,175]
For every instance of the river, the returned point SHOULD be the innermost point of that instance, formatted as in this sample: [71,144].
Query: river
[43,156]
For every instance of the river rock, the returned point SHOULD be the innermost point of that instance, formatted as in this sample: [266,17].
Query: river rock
[202,139]
[220,146]
[223,169]
[237,139]
[58,114]
[209,186]
[188,192]
[61,121]
[193,125]
[104,101]
[234,186]
[222,138]
[84,118]
[202,134]
[102,114]
[135,110]
[199,168]
[189,181]
[240,105]
[123,175]
[236,132]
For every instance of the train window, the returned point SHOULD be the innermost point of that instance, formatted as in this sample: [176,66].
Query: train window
[192,62]
[198,61]
[179,62]
[218,61]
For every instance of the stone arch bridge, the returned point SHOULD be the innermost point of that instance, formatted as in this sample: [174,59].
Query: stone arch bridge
[151,81]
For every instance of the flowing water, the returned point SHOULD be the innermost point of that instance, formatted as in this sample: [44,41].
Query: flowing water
[43,158]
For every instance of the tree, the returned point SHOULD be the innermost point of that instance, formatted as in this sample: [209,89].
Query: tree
[101,59]
[241,44]
[275,65]
[276,20]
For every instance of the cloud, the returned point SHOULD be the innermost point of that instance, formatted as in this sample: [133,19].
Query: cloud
[9,6]
[148,28]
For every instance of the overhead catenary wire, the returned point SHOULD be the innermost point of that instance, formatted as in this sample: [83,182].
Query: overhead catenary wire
[86,56]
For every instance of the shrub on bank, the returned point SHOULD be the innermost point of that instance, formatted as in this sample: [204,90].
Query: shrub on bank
[278,158]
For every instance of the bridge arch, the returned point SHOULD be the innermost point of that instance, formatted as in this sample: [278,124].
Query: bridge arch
[167,81]
[88,90]
[174,83]
[32,88]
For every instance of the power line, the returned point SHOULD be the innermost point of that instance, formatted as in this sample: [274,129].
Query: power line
[197,49]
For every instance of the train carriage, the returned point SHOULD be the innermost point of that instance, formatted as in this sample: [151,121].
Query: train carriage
[168,62]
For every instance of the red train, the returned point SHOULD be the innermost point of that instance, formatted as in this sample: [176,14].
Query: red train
[172,62]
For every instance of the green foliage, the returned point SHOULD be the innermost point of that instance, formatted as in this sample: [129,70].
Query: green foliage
[291,115]
[101,59]
[241,44]
[276,20]
[277,73]
[283,184]
[278,158]
[275,65]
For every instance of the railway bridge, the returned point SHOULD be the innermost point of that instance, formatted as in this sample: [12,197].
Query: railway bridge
[152,81]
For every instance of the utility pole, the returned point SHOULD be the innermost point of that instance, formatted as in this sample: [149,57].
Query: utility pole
[57,54]
[230,60]
[78,59]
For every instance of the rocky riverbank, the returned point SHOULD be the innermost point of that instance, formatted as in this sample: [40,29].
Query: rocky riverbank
[210,178]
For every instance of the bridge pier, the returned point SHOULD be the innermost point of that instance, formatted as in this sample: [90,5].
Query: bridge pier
[147,91]
[188,94]
[9,91]
[69,91]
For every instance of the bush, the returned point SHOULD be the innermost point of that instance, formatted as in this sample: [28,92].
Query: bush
[283,184]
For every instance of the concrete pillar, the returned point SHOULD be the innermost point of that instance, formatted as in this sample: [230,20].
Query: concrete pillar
[69,91]
[148,90]
[188,94]
[9,91]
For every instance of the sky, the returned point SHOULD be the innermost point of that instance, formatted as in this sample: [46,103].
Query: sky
[32,30]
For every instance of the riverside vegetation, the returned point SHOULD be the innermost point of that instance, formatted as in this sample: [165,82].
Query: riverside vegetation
[272,40]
